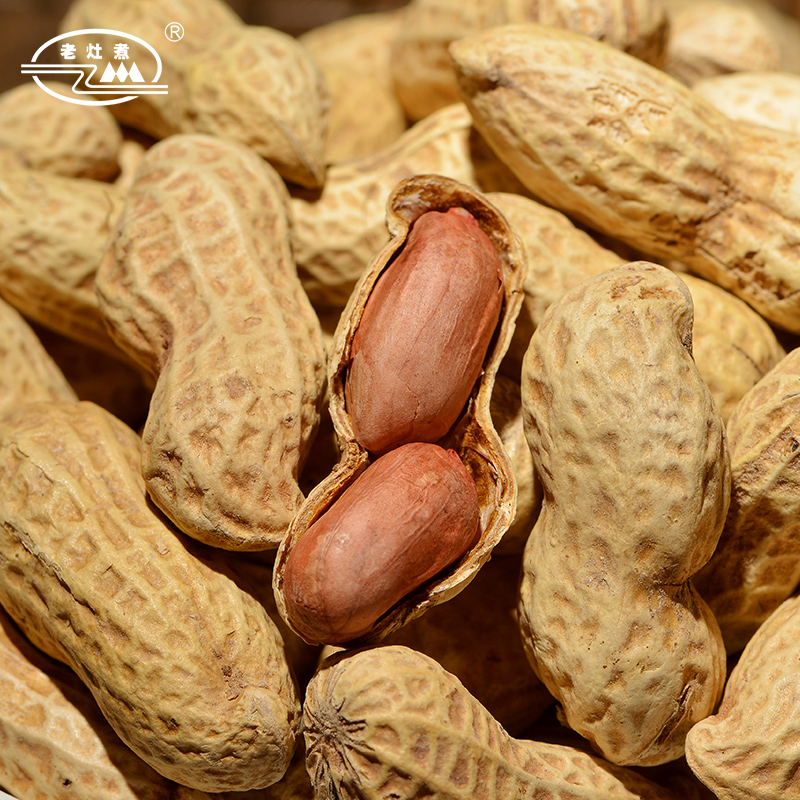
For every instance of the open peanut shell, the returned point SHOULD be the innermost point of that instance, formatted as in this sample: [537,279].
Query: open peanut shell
[473,436]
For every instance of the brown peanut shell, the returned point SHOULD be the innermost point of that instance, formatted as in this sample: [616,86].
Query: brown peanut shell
[473,435]
[750,749]
[199,286]
[632,456]
[390,722]
[756,565]
[627,150]
[188,669]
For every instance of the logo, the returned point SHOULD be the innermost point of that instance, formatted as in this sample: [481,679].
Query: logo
[111,66]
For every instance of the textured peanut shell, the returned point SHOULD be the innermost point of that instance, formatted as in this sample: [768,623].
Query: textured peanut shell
[199,286]
[717,38]
[337,232]
[473,436]
[475,636]
[765,98]
[422,71]
[53,231]
[353,55]
[392,722]
[632,457]
[506,409]
[749,749]
[559,256]
[757,563]
[629,151]
[76,141]
[733,347]
[188,669]
[253,84]
[27,372]
[55,743]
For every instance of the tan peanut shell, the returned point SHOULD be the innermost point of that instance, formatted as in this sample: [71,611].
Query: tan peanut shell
[188,669]
[473,436]
[200,287]
[55,743]
[76,141]
[506,409]
[634,154]
[424,76]
[632,456]
[337,232]
[765,98]
[717,38]
[475,636]
[392,722]
[733,347]
[53,231]
[27,371]
[353,55]
[749,749]
[756,565]
[250,83]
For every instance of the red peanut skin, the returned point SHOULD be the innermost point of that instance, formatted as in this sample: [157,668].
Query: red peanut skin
[423,337]
[410,514]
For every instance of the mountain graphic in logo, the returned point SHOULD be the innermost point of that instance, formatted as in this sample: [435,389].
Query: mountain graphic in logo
[122,73]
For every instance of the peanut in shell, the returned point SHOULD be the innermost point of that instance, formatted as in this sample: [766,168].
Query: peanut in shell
[473,436]
[632,456]
[188,669]
[199,286]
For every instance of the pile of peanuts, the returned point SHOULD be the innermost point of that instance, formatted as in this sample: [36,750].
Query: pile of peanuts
[410,409]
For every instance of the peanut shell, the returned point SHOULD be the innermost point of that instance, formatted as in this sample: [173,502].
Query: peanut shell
[749,749]
[390,722]
[200,287]
[472,437]
[632,456]
[756,565]
[593,132]
[188,669]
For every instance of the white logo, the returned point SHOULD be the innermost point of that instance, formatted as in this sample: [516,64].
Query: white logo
[83,53]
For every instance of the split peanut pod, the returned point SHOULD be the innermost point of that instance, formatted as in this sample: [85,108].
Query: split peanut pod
[756,565]
[750,749]
[471,436]
[200,287]
[632,456]
[390,722]
[629,151]
[188,669]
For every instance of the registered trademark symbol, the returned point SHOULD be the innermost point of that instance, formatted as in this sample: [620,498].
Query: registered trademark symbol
[174,31]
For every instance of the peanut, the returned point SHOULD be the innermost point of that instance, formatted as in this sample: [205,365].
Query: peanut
[423,336]
[766,98]
[56,743]
[188,670]
[389,722]
[594,133]
[338,231]
[353,55]
[749,749]
[633,461]
[716,38]
[757,563]
[75,141]
[249,83]
[199,286]
[473,436]
[409,515]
